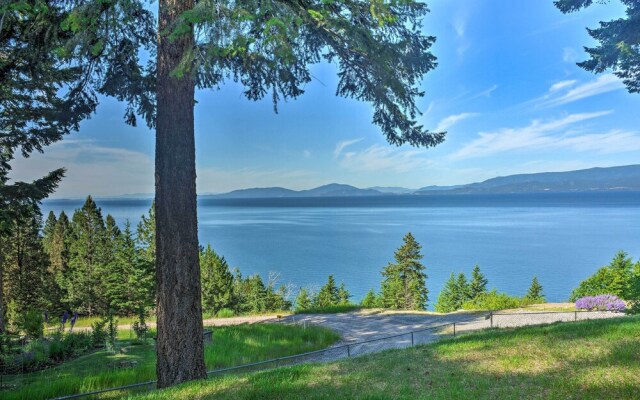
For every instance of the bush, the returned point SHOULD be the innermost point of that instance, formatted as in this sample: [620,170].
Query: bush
[494,301]
[603,302]
[98,333]
[225,313]
[32,323]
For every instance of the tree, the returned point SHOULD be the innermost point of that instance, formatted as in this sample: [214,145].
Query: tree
[404,284]
[618,43]
[464,290]
[370,300]
[448,299]
[26,266]
[33,112]
[217,282]
[303,301]
[86,260]
[478,285]
[343,295]
[328,295]
[617,278]
[380,51]
[535,291]
[56,245]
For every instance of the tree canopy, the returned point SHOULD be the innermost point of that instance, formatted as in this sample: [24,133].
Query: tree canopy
[618,43]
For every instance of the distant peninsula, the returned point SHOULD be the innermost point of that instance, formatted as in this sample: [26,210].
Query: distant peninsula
[622,178]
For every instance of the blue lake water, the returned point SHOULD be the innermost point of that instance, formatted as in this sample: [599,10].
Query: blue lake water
[560,238]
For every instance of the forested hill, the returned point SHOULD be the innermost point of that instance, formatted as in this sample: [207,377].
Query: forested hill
[624,178]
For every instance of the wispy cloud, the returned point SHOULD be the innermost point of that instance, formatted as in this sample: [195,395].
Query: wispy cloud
[561,85]
[306,153]
[564,92]
[385,158]
[551,134]
[91,169]
[569,55]
[340,146]
[451,120]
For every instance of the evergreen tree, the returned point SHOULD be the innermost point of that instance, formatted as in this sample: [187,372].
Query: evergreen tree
[255,294]
[379,47]
[343,295]
[404,284]
[478,284]
[86,259]
[217,282]
[370,300]
[615,278]
[48,231]
[303,301]
[26,267]
[463,290]
[448,299]
[618,43]
[328,294]
[117,269]
[58,251]
[146,236]
[535,291]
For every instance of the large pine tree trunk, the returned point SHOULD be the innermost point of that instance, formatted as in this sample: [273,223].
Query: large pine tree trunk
[180,342]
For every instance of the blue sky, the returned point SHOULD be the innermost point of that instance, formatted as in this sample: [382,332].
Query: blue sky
[506,89]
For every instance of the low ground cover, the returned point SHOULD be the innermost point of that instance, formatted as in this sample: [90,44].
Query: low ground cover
[582,360]
[131,363]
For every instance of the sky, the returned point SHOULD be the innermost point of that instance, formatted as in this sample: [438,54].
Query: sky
[506,90]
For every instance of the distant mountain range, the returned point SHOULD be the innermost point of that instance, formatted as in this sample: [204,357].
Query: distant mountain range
[623,178]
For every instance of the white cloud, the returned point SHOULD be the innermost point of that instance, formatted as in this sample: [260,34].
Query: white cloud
[451,120]
[459,24]
[91,169]
[552,134]
[569,55]
[340,146]
[568,92]
[385,158]
[561,85]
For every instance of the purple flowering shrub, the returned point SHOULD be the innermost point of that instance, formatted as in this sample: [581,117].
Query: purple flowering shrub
[601,302]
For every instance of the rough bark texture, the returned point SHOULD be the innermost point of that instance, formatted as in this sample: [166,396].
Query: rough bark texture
[180,334]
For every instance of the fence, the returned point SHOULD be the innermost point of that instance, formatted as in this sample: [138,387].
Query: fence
[425,335]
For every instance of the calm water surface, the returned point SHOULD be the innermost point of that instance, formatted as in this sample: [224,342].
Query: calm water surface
[560,238]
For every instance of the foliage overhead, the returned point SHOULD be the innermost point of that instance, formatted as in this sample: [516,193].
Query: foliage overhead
[618,43]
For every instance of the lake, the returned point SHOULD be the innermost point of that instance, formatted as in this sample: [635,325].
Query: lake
[560,238]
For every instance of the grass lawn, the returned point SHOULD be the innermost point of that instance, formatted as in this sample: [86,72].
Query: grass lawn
[232,345]
[582,360]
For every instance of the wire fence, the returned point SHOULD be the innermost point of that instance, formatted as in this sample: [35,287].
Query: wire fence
[428,334]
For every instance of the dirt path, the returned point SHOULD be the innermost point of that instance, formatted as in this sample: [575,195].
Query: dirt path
[207,322]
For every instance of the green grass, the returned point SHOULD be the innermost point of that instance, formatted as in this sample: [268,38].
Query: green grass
[582,360]
[330,309]
[232,345]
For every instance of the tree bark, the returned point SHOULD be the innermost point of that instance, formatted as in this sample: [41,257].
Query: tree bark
[179,310]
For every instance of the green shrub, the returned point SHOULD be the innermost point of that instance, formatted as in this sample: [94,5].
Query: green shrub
[32,323]
[98,333]
[494,301]
[225,313]
[329,309]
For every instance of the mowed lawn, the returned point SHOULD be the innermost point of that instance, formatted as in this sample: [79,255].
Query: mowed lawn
[582,360]
[232,345]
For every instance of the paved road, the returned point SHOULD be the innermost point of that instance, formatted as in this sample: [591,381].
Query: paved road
[368,331]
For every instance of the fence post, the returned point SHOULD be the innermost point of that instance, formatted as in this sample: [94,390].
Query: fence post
[348,351]
[491,316]
[411,338]
[454,329]
[575,316]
